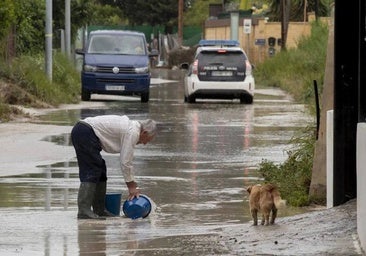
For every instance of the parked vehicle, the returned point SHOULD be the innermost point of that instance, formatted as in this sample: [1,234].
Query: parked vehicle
[220,70]
[115,62]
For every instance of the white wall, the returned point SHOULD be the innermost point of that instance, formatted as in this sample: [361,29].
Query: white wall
[330,176]
[361,174]
[361,181]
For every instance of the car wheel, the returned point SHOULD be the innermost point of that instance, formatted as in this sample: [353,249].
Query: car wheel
[85,95]
[246,99]
[191,99]
[145,97]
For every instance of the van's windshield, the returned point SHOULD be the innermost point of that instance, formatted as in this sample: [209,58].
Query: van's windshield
[117,44]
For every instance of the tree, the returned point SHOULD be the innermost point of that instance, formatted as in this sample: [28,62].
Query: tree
[26,20]
[321,7]
[83,12]
[8,17]
[161,12]
[197,12]
[7,14]
[29,26]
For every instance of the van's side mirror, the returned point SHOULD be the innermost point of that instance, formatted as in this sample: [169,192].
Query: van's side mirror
[154,53]
[79,51]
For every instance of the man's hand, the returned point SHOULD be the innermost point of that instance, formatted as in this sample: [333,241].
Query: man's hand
[133,190]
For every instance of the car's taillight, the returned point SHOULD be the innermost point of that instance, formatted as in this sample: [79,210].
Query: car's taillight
[195,67]
[248,68]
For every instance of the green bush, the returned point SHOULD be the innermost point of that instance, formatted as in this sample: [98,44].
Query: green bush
[293,177]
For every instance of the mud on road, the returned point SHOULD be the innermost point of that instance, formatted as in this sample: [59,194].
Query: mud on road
[322,232]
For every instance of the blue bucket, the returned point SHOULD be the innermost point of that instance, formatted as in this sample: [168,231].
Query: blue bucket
[113,203]
[137,207]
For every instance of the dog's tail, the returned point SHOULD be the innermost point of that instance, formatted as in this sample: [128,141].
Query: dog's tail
[278,201]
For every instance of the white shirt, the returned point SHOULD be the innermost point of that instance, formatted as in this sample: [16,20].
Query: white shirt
[117,134]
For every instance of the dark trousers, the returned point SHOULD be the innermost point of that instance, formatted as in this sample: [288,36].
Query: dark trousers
[87,146]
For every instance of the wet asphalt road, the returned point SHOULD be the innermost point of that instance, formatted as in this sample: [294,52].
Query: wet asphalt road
[195,170]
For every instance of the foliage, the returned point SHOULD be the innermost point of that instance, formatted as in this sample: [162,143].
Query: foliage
[162,12]
[297,9]
[5,111]
[7,14]
[27,20]
[179,56]
[293,177]
[83,13]
[298,67]
[28,73]
[30,26]
[198,12]
[106,15]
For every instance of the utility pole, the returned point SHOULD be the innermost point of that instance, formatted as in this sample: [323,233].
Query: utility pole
[48,39]
[67,28]
[347,87]
[284,22]
[180,21]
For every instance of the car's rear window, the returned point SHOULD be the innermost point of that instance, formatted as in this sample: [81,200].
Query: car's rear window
[221,65]
[227,58]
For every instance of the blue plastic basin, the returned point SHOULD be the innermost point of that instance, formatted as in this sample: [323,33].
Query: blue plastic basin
[137,207]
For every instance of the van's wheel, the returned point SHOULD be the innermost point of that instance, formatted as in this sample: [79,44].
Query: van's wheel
[246,99]
[85,95]
[191,99]
[145,96]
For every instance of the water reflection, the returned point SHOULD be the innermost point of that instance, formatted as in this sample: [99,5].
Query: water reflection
[62,139]
[92,238]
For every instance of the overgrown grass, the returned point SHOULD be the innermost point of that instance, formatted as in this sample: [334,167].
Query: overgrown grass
[294,71]
[28,72]
[5,111]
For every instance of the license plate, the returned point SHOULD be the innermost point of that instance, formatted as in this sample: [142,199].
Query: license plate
[222,73]
[114,87]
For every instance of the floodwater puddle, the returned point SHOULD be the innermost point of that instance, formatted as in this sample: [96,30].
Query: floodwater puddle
[196,171]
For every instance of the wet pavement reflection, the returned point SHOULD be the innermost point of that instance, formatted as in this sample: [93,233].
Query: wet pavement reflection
[195,170]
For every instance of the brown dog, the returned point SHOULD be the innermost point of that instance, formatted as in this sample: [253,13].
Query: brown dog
[266,199]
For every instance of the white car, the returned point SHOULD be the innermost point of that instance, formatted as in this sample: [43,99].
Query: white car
[220,70]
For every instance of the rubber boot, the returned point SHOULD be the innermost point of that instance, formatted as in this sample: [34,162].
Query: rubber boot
[99,200]
[85,199]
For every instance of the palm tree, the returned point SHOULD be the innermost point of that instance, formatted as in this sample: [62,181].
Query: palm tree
[295,10]
[244,5]
[299,9]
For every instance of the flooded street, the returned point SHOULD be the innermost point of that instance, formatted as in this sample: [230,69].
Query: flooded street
[196,171]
